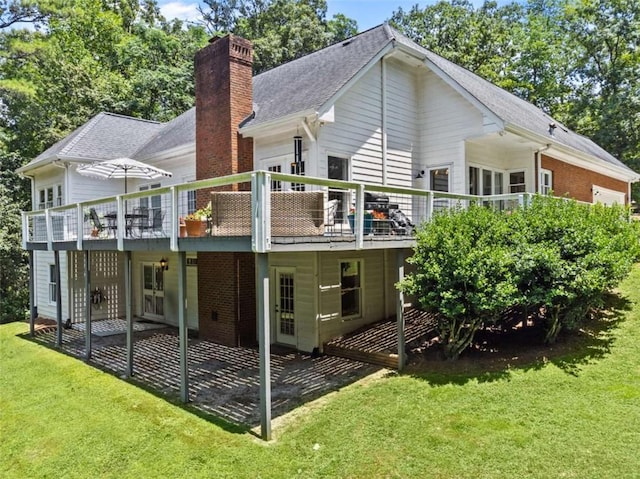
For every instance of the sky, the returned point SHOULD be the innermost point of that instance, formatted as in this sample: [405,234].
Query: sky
[368,13]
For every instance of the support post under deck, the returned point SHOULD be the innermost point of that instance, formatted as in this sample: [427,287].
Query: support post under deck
[400,312]
[87,305]
[182,326]
[56,260]
[32,294]
[127,298]
[264,339]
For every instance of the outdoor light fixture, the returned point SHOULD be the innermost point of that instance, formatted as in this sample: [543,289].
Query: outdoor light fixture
[164,264]
[420,174]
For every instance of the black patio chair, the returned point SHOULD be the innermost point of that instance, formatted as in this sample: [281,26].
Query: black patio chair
[155,227]
[97,224]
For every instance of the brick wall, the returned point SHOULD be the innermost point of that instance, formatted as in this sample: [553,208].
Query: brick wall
[224,97]
[578,182]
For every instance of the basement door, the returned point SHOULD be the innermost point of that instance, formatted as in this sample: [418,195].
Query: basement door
[285,306]
[152,291]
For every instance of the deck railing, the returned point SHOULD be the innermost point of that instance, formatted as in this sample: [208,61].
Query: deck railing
[269,207]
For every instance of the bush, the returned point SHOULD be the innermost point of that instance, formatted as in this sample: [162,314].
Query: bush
[571,255]
[555,257]
[464,273]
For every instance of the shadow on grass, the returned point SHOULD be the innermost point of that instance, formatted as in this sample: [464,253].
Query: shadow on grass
[223,381]
[495,355]
[44,338]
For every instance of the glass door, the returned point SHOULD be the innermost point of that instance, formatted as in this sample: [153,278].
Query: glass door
[152,291]
[285,306]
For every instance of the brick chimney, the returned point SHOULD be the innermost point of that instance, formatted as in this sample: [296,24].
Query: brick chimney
[224,97]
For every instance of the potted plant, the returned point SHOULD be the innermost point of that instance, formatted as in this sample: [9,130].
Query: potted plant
[368,221]
[196,222]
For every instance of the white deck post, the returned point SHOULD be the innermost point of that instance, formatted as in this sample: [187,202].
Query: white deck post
[56,259]
[79,226]
[264,339]
[175,220]
[87,303]
[32,294]
[400,311]
[121,223]
[127,298]
[182,326]
[359,217]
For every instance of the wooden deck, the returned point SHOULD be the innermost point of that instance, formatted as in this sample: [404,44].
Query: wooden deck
[378,343]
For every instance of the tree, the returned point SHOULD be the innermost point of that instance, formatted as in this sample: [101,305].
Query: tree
[88,57]
[281,30]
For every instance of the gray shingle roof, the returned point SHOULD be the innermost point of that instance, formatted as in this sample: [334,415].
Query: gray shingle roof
[309,82]
[306,84]
[512,109]
[178,132]
[303,85]
[103,137]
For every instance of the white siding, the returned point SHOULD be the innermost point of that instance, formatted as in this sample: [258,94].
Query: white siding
[305,300]
[47,309]
[402,123]
[375,292]
[357,130]
[447,119]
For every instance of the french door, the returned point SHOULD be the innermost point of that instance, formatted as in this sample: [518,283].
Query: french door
[152,291]
[285,306]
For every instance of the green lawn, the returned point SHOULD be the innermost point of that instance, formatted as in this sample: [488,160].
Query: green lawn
[576,416]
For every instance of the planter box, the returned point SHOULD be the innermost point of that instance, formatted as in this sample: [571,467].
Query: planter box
[368,223]
[195,228]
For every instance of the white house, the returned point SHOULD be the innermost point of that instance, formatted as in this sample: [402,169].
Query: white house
[377,112]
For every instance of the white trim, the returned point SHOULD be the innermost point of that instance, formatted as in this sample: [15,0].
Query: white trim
[576,157]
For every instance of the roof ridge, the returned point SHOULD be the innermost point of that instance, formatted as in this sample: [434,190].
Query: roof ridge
[333,45]
[83,131]
[127,117]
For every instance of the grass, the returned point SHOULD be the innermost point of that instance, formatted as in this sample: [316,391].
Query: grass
[573,415]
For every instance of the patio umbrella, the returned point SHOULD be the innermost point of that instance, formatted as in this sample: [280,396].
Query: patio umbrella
[122,168]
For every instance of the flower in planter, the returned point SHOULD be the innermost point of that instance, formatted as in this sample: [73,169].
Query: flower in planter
[203,214]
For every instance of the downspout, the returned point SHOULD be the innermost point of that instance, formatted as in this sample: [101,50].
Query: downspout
[383,125]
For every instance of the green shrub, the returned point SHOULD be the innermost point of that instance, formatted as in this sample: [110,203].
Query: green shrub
[555,257]
[464,273]
[570,254]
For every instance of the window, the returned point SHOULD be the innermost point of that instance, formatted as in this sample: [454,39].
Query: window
[516,182]
[338,169]
[474,180]
[351,289]
[439,179]
[487,181]
[156,200]
[49,197]
[498,188]
[53,286]
[297,169]
[546,182]
[276,185]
